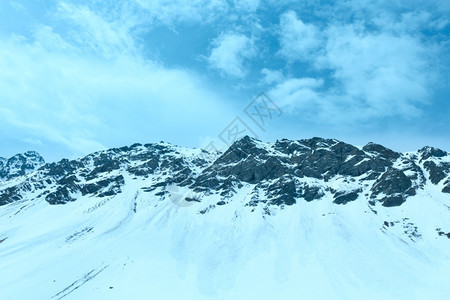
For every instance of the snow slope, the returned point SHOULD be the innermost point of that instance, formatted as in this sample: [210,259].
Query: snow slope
[137,244]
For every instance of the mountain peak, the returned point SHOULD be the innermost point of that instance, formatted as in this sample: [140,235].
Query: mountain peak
[269,166]
[20,164]
[246,140]
[316,192]
[241,149]
[427,152]
[380,150]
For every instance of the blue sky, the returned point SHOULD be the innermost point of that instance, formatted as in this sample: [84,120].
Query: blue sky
[81,76]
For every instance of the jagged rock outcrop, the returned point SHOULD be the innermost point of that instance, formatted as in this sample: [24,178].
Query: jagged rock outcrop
[19,165]
[275,174]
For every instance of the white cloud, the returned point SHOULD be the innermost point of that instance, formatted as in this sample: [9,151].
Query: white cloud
[388,73]
[229,53]
[299,41]
[298,94]
[91,31]
[86,86]
[410,22]
[17,6]
[272,76]
[81,79]
[190,11]
[247,5]
[371,73]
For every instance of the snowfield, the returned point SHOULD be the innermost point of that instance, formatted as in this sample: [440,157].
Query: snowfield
[135,244]
[132,246]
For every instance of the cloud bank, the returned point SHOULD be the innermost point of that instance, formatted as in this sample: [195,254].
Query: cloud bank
[364,72]
[79,76]
[89,87]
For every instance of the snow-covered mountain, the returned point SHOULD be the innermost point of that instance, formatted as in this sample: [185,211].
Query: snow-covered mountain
[20,164]
[307,219]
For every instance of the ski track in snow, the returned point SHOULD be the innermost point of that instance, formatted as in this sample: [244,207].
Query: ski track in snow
[77,284]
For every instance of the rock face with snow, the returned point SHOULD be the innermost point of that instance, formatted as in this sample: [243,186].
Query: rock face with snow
[19,165]
[282,173]
[252,195]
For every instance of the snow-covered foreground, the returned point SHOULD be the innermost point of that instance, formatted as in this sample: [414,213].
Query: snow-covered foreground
[134,246]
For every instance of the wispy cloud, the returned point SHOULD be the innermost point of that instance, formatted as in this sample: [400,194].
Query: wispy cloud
[92,31]
[171,12]
[90,86]
[229,53]
[367,73]
[272,76]
[298,40]
[80,75]
[247,5]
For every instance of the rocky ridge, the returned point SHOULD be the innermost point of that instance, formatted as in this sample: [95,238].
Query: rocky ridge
[278,174]
[289,215]
[19,165]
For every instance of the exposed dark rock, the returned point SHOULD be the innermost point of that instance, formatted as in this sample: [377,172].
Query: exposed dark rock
[391,201]
[252,169]
[62,168]
[427,152]
[310,193]
[107,187]
[244,161]
[415,173]
[247,161]
[10,195]
[327,158]
[205,183]
[227,187]
[68,180]
[192,199]
[446,189]
[437,172]
[104,164]
[381,151]
[204,211]
[389,224]
[395,185]
[278,173]
[442,233]
[283,191]
[393,181]
[62,195]
[20,164]
[372,175]
[291,147]
[146,168]
[345,197]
